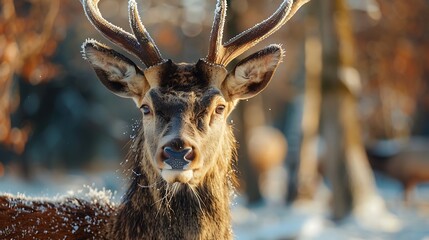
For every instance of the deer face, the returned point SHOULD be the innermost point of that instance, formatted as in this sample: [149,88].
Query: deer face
[184,106]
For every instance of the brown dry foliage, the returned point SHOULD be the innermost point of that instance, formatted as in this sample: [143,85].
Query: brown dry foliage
[392,55]
[28,40]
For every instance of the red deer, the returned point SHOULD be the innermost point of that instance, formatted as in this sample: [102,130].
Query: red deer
[183,157]
[408,162]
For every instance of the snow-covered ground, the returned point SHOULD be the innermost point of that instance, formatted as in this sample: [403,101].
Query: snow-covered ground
[271,220]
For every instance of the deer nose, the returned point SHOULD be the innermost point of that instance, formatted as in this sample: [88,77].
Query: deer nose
[178,158]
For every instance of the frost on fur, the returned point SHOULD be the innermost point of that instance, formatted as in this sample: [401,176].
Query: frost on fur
[83,215]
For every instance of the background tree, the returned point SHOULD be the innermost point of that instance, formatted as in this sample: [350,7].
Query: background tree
[28,39]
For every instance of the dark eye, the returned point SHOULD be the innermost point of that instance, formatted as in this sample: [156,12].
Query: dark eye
[220,109]
[146,109]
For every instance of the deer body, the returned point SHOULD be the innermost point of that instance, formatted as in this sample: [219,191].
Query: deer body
[182,161]
[70,218]
[406,162]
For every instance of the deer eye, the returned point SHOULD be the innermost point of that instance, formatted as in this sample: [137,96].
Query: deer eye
[220,109]
[145,109]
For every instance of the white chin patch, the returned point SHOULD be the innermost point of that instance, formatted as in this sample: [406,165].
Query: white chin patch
[172,176]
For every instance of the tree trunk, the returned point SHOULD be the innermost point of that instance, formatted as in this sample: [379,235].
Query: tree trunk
[308,175]
[248,175]
[347,164]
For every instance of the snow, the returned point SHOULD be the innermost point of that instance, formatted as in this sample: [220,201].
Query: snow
[75,228]
[311,220]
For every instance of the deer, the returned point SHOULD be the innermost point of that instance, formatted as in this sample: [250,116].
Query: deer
[182,159]
[405,161]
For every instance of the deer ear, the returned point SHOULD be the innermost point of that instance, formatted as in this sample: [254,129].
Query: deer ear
[117,72]
[251,75]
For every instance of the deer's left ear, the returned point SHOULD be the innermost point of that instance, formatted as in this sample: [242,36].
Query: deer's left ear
[251,75]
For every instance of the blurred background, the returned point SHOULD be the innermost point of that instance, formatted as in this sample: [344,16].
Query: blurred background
[337,146]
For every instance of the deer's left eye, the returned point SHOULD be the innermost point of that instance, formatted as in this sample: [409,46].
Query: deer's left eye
[220,109]
[145,109]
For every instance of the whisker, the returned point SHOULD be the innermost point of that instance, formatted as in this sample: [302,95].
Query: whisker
[197,196]
[149,186]
[162,200]
[176,188]
[171,193]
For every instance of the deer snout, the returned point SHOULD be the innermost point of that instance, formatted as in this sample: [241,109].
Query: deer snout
[178,154]
[177,159]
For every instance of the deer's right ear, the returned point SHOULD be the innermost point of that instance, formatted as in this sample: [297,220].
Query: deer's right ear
[117,72]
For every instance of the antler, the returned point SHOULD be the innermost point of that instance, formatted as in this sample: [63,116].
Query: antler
[215,44]
[224,53]
[140,44]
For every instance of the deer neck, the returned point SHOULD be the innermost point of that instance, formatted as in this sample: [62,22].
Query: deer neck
[150,210]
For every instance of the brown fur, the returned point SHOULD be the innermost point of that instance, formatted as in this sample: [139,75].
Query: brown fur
[71,218]
[151,211]
[409,164]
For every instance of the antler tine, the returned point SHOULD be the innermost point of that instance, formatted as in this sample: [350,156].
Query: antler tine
[249,38]
[116,34]
[152,54]
[215,44]
[297,4]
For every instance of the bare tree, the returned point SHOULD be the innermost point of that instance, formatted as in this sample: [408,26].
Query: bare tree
[308,176]
[347,166]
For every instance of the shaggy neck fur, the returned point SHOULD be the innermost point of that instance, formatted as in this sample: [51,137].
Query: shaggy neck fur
[153,209]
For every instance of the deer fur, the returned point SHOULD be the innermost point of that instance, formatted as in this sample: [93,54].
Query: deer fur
[407,162]
[22,217]
[182,160]
[176,211]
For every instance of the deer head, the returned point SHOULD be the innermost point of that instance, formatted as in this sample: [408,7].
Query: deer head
[185,106]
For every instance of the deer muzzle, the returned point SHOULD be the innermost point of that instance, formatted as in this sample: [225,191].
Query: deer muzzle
[177,165]
[177,159]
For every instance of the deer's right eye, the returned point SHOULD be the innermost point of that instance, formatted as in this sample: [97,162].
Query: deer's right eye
[220,109]
[145,109]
